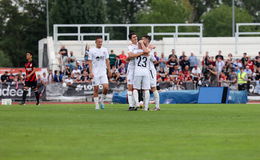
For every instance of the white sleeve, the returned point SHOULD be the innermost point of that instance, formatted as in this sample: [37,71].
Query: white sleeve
[90,55]
[130,49]
[107,55]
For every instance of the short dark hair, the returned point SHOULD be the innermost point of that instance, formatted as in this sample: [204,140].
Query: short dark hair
[98,37]
[131,34]
[147,37]
[29,53]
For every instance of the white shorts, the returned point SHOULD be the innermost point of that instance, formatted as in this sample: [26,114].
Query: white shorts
[130,76]
[99,80]
[153,80]
[142,82]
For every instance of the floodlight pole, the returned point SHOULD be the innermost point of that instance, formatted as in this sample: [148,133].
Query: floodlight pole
[47,18]
[233,18]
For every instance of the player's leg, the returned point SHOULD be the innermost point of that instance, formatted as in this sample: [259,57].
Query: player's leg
[156,98]
[95,83]
[130,97]
[104,82]
[146,87]
[154,90]
[36,92]
[137,86]
[25,92]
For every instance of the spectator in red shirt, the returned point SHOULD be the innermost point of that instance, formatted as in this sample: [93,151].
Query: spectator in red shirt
[250,64]
[123,57]
[186,72]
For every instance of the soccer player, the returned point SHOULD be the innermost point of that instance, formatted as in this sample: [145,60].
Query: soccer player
[131,67]
[99,67]
[142,75]
[30,80]
[153,81]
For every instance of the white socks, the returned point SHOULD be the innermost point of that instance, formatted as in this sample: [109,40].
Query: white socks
[96,102]
[130,98]
[146,99]
[136,98]
[102,98]
[156,99]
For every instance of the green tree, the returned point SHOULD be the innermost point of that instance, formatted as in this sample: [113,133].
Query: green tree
[5,60]
[218,22]
[199,7]
[24,26]
[164,11]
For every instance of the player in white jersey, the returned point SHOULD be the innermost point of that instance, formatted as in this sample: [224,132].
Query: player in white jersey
[142,75]
[99,66]
[131,67]
[153,80]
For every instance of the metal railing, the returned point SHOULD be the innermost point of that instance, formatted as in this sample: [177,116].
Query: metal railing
[80,34]
[239,33]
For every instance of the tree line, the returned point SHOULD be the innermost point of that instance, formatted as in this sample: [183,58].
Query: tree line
[23,22]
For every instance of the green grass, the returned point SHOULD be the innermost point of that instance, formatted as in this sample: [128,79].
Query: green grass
[177,132]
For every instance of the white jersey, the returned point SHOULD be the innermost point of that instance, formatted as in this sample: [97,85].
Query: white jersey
[98,57]
[152,59]
[142,64]
[132,48]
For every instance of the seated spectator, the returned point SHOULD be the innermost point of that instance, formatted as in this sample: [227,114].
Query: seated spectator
[122,73]
[196,73]
[248,72]
[171,63]
[44,79]
[78,66]
[75,72]
[67,70]
[184,62]
[11,77]
[237,63]
[123,57]
[250,64]
[175,74]
[61,76]
[77,79]
[187,74]
[56,76]
[68,81]
[85,77]
[5,77]
[161,75]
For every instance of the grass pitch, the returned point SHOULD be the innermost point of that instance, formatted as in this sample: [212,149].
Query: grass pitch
[177,132]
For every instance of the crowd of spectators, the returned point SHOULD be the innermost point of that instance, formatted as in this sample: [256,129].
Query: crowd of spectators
[209,70]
